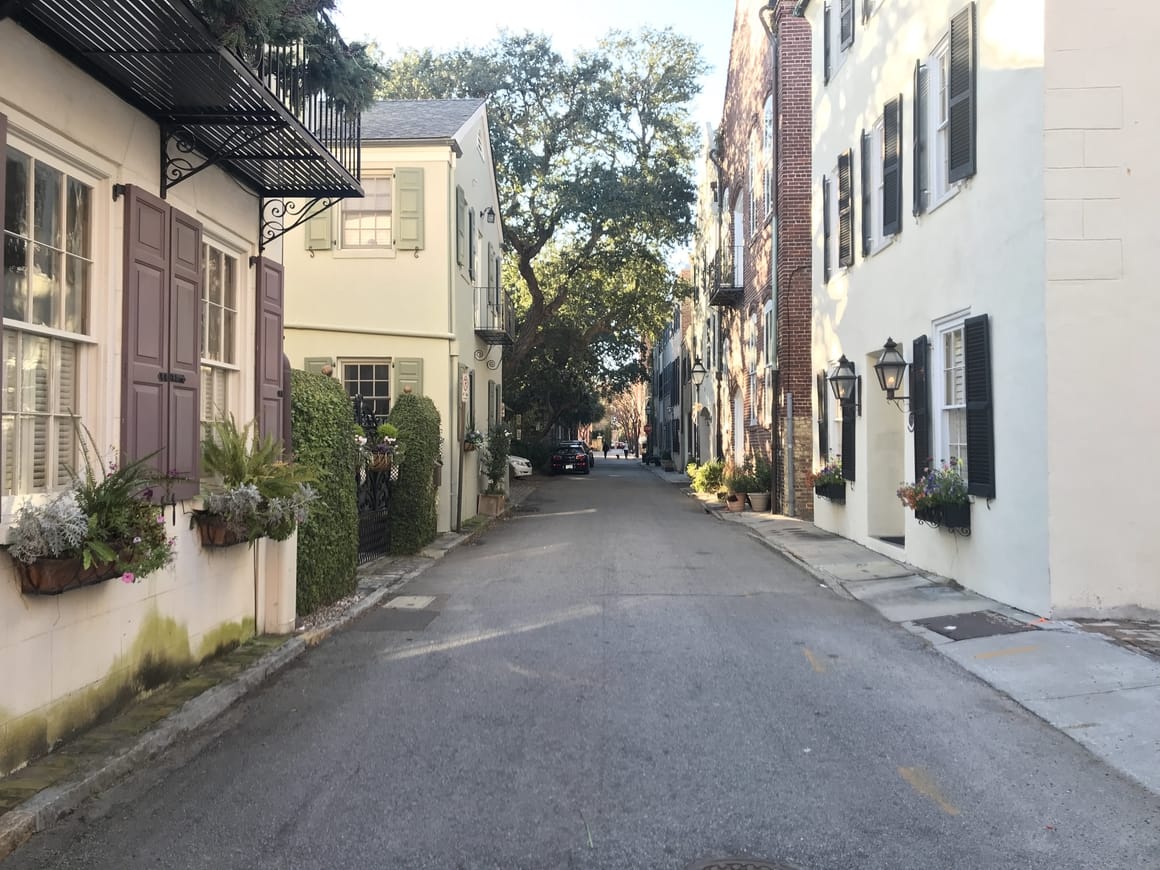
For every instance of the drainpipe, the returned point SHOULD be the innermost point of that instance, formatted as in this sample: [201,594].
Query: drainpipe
[454,445]
[790,497]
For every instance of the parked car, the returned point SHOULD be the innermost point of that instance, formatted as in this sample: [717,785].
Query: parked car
[520,467]
[570,457]
[582,445]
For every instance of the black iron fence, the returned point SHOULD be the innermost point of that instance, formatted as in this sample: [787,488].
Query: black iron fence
[372,493]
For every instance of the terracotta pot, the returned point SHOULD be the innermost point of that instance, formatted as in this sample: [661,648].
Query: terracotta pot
[759,501]
[490,505]
[380,462]
[735,503]
[54,576]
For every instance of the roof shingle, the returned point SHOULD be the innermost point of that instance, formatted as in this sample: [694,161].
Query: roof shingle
[416,119]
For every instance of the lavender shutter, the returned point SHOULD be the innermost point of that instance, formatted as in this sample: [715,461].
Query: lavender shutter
[183,440]
[145,328]
[268,376]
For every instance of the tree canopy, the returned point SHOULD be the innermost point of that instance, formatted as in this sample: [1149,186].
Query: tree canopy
[593,160]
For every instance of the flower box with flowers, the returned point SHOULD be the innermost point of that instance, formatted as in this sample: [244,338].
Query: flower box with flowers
[472,440]
[828,482]
[939,498]
[103,527]
[254,494]
[380,450]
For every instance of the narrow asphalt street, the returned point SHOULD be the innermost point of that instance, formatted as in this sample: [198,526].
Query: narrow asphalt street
[614,679]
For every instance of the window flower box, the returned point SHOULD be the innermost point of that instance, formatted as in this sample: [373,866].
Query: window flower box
[954,518]
[835,492]
[939,498]
[54,576]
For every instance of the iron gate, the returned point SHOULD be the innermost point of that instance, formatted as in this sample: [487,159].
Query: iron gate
[372,494]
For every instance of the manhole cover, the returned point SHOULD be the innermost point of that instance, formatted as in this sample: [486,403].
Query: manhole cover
[737,864]
[967,626]
[395,619]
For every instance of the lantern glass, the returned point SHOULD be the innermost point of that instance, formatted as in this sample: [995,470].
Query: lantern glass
[698,373]
[843,380]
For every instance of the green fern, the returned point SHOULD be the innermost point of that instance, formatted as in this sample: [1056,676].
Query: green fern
[240,456]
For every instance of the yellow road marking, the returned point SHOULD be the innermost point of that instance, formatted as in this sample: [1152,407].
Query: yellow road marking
[815,663]
[922,783]
[1010,651]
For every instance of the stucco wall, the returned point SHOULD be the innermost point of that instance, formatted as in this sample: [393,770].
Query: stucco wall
[65,658]
[397,305]
[1103,311]
[981,252]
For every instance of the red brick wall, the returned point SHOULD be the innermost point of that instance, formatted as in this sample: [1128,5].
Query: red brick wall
[750,79]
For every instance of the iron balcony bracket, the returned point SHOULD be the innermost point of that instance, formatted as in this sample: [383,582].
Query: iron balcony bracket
[180,151]
[482,355]
[279,216]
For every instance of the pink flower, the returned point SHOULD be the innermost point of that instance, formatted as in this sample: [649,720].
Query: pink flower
[160,519]
[128,577]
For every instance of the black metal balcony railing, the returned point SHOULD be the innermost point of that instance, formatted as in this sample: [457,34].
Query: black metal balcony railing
[495,317]
[728,282]
[253,118]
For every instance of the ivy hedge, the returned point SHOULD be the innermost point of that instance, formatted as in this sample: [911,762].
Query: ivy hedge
[322,434]
[413,504]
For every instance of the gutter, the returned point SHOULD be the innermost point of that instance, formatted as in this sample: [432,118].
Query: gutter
[445,141]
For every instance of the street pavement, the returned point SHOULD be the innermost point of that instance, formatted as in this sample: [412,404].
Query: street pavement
[611,679]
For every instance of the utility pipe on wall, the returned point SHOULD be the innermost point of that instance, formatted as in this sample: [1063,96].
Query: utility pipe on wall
[790,501]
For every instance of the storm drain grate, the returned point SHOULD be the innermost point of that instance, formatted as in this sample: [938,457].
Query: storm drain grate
[967,626]
[737,864]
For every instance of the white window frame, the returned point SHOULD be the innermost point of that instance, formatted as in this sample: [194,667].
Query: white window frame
[768,154]
[751,353]
[346,205]
[769,333]
[941,407]
[767,407]
[372,361]
[835,232]
[838,52]
[939,188]
[17,479]
[878,240]
[226,369]
[754,221]
[739,238]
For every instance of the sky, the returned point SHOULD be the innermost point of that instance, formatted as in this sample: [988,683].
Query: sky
[446,24]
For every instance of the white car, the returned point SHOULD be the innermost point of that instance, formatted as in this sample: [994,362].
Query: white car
[520,467]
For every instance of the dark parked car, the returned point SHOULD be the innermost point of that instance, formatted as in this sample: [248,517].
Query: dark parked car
[570,458]
[583,445]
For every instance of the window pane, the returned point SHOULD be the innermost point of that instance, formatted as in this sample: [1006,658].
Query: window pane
[66,364]
[16,193]
[213,341]
[11,384]
[15,278]
[203,313]
[34,375]
[46,205]
[66,449]
[77,240]
[76,294]
[229,282]
[213,278]
[228,318]
[45,276]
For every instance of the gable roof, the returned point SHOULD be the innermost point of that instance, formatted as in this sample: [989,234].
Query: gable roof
[417,120]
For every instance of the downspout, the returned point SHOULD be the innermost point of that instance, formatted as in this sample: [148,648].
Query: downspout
[454,446]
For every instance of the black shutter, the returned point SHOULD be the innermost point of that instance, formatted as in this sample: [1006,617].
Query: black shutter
[920,97]
[847,23]
[980,410]
[920,403]
[961,96]
[867,185]
[846,209]
[823,420]
[892,168]
[849,452]
[826,43]
[827,266]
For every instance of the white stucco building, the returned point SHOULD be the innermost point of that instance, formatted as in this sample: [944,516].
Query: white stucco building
[985,196]
[401,289]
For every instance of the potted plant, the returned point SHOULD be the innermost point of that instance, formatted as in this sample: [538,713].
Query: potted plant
[494,462]
[472,439]
[385,451]
[739,481]
[254,493]
[104,526]
[828,482]
[763,478]
[939,498]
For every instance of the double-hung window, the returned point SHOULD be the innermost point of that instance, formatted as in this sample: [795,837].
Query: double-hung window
[219,324]
[769,337]
[944,114]
[768,157]
[367,220]
[754,217]
[950,393]
[48,267]
[837,34]
[369,379]
[751,353]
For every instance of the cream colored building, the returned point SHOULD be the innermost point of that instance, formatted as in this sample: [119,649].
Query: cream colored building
[401,289]
[120,242]
[985,195]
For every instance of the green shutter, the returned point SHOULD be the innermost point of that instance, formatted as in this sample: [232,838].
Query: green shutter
[471,243]
[315,364]
[408,373]
[318,232]
[460,226]
[409,212]
[491,403]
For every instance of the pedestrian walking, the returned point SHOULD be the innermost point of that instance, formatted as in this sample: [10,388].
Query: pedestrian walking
[605,449]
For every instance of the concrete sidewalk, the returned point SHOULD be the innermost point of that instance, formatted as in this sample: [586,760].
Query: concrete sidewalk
[1090,680]
[47,789]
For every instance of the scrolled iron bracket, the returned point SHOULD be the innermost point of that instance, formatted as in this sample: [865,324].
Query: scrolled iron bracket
[279,216]
[482,355]
[183,155]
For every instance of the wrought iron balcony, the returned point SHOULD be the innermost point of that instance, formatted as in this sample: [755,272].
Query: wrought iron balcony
[251,117]
[495,317]
[728,283]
